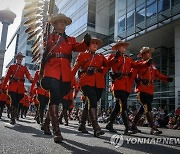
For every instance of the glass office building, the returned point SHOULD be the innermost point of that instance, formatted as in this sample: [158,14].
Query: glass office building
[89,16]
[153,23]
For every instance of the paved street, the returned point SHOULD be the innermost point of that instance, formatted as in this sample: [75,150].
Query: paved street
[27,138]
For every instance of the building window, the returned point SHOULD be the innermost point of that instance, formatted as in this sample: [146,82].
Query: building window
[30,42]
[163,5]
[32,66]
[121,24]
[130,19]
[139,2]
[130,5]
[140,13]
[175,2]
[28,53]
[151,8]
[91,19]
[92,13]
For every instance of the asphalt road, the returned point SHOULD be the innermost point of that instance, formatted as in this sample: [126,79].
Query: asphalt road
[27,138]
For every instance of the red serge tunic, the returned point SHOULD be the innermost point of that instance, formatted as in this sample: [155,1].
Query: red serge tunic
[60,67]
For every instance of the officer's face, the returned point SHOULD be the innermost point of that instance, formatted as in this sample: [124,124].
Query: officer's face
[146,55]
[60,26]
[93,46]
[19,60]
[122,49]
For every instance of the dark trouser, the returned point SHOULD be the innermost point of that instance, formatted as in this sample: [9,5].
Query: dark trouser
[145,100]
[15,97]
[24,110]
[64,114]
[43,102]
[58,89]
[122,96]
[114,113]
[2,104]
[8,110]
[20,108]
[92,95]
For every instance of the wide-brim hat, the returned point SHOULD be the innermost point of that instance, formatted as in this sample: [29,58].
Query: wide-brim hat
[19,54]
[120,43]
[145,49]
[60,16]
[98,41]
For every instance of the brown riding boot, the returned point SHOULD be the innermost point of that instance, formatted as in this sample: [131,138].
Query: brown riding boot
[134,125]
[55,123]
[1,113]
[154,130]
[60,118]
[41,116]
[13,115]
[112,118]
[126,123]
[82,126]
[96,127]
[8,112]
[65,117]
[46,125]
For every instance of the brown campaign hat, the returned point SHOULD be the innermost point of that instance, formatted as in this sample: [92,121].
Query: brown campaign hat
[120,43]
[145,49]
[60,16]
[98,41]
[19,54]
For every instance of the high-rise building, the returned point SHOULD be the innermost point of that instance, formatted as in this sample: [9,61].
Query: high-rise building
[10,51]
[19,43]
[89,16]
[153,23]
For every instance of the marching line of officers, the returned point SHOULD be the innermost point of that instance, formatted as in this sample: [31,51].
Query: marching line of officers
[58,83]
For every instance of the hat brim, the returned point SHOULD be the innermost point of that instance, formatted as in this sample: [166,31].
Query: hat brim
[147,50]
[115,47]
[57,18]
[99,42]
[19,56]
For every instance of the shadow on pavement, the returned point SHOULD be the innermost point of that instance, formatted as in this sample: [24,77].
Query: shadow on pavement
[78,148]
[28,129]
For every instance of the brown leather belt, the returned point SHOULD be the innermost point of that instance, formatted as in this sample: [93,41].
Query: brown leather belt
[93,70]
[146,82]
[16,79]
[61,55]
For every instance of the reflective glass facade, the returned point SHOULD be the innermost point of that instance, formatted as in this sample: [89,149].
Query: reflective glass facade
[78,12]
[164,92]
[134,17]
[137,15]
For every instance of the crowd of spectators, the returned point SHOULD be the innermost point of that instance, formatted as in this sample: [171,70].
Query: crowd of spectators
[161,117]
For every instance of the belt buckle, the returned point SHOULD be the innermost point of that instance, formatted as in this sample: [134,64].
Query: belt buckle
[57,55]
[95,70]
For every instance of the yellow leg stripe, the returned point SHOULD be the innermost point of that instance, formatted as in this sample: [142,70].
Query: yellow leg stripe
[10,99]
[113,93]
[145,105]
[139,98]
[88,101]
[145,108]
[120,104]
